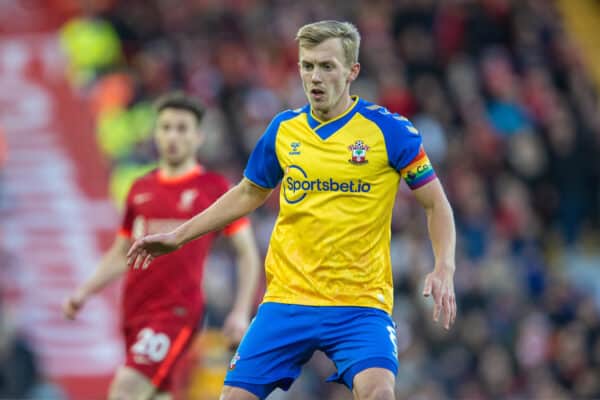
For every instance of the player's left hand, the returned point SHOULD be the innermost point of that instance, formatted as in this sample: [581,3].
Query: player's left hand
[146,249]
[235,327]
[440,284]
[73,304]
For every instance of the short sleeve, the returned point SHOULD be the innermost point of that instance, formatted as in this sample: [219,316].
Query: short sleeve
[405,149]
[127,222]
[263,167]
[236,226]
[402,141]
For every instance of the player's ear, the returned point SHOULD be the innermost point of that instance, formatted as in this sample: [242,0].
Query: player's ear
[354,70]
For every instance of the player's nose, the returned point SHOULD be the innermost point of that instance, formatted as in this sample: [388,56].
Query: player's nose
[170,133]
[316,76]
[171,136]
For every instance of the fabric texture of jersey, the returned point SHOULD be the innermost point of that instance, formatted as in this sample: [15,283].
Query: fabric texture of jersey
[172,284]
[339,179]
[272,354]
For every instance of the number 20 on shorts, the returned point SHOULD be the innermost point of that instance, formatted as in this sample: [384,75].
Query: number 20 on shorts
[154,345]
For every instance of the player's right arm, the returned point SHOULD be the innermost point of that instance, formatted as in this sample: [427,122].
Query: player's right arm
[112,265]
[239,201]
[262,174]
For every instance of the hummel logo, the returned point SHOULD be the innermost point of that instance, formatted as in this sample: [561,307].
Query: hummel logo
[294,146]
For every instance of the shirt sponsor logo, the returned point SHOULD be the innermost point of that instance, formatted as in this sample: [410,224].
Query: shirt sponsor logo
[297,185]
[186,201]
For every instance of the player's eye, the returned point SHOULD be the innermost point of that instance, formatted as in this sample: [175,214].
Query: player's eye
[181,128]
[164,127]
[327,67]
[307,66]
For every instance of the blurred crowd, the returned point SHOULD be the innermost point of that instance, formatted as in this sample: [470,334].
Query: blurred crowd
[20,373]
[509,117]
[18,366]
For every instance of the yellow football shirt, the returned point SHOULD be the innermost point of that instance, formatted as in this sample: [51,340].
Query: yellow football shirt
[330,245]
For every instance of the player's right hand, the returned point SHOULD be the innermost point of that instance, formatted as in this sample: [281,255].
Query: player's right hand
[440,285]
[73,305]
[146,249]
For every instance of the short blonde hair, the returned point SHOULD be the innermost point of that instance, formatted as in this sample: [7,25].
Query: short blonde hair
[311,35]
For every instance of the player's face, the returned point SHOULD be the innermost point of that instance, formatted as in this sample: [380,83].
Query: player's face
[326,76]
[177,136]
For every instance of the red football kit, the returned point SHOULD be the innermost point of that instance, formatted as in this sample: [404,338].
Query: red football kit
[163,305]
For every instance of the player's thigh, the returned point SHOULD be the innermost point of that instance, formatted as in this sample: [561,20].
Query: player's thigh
[367,340]
[374,384]
[129,384]
[235,393]
[280,339]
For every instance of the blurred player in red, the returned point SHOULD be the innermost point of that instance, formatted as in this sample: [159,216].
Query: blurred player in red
[163,306]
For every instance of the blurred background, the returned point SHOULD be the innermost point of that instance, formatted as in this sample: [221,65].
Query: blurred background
[504,93]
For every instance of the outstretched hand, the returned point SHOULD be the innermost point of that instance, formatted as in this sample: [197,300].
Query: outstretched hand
[440,284]
[146,249]
[73,304]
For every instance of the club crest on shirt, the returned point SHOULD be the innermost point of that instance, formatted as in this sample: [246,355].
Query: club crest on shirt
[359,153]
[141,198]
[187,199]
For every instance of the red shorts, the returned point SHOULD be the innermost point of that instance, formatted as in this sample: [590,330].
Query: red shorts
[155,344]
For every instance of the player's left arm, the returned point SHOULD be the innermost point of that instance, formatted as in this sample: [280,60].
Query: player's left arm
[440,282]
[248,272]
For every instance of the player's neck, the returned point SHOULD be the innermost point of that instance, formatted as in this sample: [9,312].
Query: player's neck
[340,108]
[173,171]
